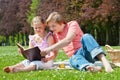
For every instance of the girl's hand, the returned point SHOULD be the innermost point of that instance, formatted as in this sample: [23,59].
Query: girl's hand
[47,58]
[43,53]
[20,50]
[44,60]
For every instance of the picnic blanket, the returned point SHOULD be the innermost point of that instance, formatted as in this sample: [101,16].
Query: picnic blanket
[66,65]
[61,65]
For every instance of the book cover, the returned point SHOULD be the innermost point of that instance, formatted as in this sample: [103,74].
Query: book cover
[31,54]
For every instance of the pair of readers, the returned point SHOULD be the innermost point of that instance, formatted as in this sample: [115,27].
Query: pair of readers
[33,60]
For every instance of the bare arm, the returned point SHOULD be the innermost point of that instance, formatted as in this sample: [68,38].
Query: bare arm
[70,36]
[51,42]
[53,54]
[30,45]
[20,49]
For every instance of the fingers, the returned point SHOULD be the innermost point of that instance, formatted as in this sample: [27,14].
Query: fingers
[44,60]
[43,53]
[20,50]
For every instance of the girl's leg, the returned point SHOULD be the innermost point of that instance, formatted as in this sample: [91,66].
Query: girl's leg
[34,65]
[18,65]
[90,44]
[10,69]
[28,68]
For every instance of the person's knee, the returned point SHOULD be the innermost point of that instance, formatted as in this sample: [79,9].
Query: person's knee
[86,37]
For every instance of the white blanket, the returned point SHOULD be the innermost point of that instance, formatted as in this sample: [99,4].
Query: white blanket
[65,64]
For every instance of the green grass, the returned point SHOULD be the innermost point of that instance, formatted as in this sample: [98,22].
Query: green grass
[10,56]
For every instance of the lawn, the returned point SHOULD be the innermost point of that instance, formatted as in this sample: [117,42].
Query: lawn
[10,56]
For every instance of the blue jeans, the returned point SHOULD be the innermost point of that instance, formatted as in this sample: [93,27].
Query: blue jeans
[86,55]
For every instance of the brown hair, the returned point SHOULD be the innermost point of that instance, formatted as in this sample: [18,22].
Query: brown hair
[55,17]
[37,19]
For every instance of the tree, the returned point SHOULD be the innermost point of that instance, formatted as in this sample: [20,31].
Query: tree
[9,20]
[99,17]
[104,15]
[47,6]
[14,17]
[23,9]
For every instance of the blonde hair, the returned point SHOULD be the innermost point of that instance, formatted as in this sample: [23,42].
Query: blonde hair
[55,17]
[37,19]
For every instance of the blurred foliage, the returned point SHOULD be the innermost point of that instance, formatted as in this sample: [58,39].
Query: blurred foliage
[33,10]
[99,17]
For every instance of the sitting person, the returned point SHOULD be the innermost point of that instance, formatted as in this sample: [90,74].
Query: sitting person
[42,39]
[82,53]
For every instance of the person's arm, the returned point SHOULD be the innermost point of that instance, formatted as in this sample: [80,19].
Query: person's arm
[70,36]
[31,37]
[30,45]
[53,54]
[20,50]
[73,30]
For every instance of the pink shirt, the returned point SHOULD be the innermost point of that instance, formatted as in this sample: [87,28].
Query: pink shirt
[44,44]
[75,44]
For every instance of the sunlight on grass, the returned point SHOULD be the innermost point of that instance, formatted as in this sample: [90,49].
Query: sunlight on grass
[10,56]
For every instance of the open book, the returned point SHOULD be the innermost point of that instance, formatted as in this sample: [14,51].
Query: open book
[31,54]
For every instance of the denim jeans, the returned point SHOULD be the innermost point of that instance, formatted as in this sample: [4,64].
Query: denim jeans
[86,55]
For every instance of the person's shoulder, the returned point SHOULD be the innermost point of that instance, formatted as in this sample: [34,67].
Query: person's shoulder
[49,34]
[72,22]
[50,38]
[31,37]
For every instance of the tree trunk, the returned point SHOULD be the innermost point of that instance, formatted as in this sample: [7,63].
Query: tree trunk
[119,33]
[107,37]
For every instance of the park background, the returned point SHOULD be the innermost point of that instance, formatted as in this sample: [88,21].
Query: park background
[101,18]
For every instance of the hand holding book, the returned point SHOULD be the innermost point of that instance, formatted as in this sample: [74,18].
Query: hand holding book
[31,53]
[43,53]
[20,48]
